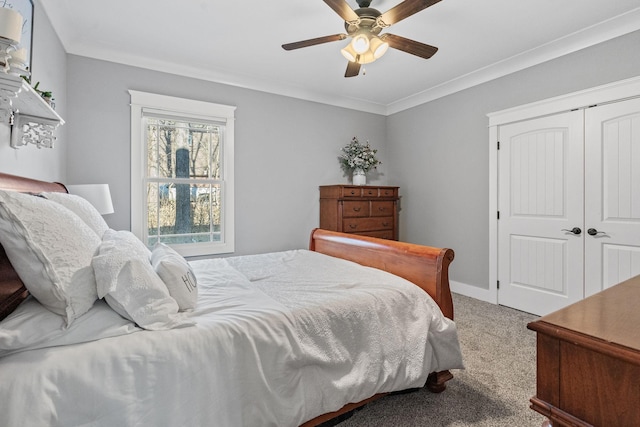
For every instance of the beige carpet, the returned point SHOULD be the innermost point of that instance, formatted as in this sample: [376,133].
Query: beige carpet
[493,390]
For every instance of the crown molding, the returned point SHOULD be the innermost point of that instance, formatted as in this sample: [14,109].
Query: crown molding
[590,36]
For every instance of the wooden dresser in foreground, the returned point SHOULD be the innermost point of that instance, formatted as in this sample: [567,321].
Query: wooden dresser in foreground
[365,210]
[589,360]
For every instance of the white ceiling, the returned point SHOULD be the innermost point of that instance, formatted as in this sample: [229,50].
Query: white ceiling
[239,43]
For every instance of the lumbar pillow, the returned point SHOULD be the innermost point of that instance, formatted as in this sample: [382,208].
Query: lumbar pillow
[177,275]
[50,248]
[81,207]
[128,283]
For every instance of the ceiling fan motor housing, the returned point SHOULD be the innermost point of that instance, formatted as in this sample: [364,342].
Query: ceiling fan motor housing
[367,22]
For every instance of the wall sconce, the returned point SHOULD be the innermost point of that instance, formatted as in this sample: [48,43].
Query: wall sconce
[96,194]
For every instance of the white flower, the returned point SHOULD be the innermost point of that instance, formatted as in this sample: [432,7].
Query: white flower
[358,156]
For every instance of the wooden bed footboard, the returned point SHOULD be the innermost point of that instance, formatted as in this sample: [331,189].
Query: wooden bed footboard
[425,266]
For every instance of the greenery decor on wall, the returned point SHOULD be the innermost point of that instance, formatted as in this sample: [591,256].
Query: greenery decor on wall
[358,156]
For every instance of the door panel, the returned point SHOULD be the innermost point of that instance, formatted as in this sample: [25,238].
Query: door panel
[540,166]
[612,194]
[537,263]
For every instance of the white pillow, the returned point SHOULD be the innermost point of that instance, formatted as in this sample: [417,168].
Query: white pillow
[177,275]
[128,283]
[32,326]
[81,207]
[50,248]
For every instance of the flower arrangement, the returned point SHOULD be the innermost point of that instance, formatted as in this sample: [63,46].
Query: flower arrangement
[358,156]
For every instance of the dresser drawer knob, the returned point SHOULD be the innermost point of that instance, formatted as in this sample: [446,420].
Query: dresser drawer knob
[353,226]
[357,209]
[385,224]
[382,208]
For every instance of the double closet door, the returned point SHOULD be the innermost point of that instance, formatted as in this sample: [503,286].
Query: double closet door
[569,205]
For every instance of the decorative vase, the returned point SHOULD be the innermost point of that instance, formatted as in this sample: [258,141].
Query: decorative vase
[359,177]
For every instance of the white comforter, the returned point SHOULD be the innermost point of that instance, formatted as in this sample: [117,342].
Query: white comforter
[268,349]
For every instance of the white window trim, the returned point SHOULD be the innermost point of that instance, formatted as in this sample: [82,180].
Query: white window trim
[188,108]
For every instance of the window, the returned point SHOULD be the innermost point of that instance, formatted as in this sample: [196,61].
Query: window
[182,173]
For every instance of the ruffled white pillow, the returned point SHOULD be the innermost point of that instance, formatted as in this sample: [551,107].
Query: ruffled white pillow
[128,283]
[81,207]
[50,248]
[177,275]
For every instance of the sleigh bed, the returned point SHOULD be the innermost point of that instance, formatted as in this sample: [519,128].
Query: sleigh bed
[280,339]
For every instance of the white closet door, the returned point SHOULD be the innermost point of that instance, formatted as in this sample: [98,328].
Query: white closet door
[540,262]
[612,194]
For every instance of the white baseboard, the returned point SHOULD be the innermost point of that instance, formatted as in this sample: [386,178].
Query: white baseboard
[487,295]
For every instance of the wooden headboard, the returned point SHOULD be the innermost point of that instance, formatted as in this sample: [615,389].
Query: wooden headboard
[12,290]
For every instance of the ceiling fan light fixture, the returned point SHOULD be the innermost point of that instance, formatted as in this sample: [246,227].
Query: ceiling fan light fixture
[378,47]
[349,53]
[360,43]
[363,27]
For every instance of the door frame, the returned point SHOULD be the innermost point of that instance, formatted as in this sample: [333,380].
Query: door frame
[604,94]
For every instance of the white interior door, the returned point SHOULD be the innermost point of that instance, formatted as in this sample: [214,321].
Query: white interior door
[612,194]
[541,169]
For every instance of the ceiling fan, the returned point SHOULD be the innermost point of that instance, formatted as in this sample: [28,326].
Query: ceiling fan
[364,25]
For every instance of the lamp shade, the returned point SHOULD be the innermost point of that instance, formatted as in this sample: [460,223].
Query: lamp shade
[96,194]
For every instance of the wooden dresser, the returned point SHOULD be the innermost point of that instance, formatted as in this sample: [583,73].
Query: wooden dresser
[589,360]
[365,210]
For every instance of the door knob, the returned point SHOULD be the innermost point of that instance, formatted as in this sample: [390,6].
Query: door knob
[594,232]
[575,230]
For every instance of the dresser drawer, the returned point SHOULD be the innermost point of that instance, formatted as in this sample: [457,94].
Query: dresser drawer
[355,208]
[370,192]
[356,225]
[379,208]
[388,192]
[352,192]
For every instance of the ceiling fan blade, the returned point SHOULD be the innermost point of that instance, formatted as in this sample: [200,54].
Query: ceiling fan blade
[353,69]
[403,10]
[342,8]
[313,42]
[410,46]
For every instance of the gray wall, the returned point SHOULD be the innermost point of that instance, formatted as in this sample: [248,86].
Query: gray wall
[284,147]
[439,151]
[49,68]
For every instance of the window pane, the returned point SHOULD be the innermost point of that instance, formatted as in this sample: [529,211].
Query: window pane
[206,217]
[152,209]
[181,149]
[183,213]
[152,147]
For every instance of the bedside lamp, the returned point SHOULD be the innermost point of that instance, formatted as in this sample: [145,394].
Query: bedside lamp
[96,194]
